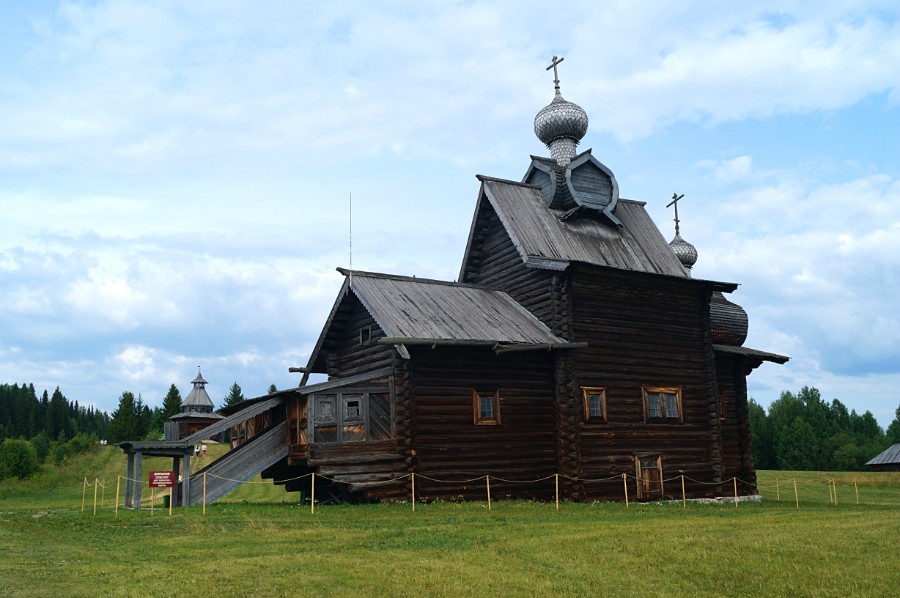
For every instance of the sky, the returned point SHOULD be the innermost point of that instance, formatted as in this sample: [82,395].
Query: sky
[180,181]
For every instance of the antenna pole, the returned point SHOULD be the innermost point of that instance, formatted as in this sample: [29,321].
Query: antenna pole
[351,240]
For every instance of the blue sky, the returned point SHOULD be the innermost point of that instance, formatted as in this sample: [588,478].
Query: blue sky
[175,177]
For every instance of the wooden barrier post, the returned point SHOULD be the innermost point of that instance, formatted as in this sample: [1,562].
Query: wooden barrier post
[488,480]
[312,495]
[796,496]
[171,499]
[834,485]
[625,485]
[683,496]
[734,479]
[413,492]
[204,493]
[777,490]
[95,496]
[556,478]
[103,493]
[83,494]
[855,487]
[118,479]
[152,499]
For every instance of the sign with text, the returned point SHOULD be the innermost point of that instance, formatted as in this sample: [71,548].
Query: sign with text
[162,479]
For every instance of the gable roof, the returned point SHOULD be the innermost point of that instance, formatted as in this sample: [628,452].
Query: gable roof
[546,239]
[423,311]
[891,456]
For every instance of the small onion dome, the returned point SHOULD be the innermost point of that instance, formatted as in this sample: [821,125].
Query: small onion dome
[684,251]
[728,321]
[560,125]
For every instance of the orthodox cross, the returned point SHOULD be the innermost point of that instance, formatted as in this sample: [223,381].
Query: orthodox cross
[556,60]
[674,202]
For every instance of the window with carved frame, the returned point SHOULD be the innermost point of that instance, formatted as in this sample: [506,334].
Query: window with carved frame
[594,400]
[662,405]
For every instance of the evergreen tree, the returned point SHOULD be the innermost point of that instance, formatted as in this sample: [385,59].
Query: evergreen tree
[124,422]
[234,396]
[893,431]
[172,403]
[272,388]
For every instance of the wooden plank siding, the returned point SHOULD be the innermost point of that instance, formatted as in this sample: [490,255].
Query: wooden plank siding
[450,446]
[644,332]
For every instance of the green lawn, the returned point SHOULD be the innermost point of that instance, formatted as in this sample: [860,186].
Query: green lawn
[260,542]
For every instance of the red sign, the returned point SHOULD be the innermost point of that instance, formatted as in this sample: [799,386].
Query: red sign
[162,479]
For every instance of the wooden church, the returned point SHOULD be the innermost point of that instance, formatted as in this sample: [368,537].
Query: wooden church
[575,343]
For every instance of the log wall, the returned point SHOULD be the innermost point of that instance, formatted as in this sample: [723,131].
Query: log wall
[645,331]
[450,446]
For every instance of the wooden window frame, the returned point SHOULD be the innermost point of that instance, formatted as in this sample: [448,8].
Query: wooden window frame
[365,335]
[495,408]
[665,418]
[586,392]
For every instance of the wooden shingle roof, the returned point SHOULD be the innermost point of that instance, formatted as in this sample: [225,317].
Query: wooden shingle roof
[417,311]
[545,239]
[891,456]
[421,309]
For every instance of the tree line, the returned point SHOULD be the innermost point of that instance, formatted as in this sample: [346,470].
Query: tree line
[804,432]
[25,415]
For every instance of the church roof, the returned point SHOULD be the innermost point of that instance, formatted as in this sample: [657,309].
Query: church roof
[422,311]
[413,308]
[552,239]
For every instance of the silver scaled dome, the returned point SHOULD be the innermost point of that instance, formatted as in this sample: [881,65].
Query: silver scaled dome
[727,321]
[684,251]
[560,125]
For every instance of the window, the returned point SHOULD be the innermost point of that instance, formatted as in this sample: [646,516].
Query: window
[365,335]
[662,404]
[594,404]
[353,415]
[722,406]
[486,408]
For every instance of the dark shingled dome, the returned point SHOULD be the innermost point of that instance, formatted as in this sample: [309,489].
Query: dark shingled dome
[728,321]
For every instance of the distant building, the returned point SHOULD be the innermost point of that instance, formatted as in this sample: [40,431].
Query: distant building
[889,460]
[196,413]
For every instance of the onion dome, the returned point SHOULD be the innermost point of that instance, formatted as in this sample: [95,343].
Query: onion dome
[684,251]
[728,321]
[561,124]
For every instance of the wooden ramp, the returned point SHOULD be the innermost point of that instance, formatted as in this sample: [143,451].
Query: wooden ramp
[239,465]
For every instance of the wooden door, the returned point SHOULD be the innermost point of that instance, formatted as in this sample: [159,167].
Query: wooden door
[649,477]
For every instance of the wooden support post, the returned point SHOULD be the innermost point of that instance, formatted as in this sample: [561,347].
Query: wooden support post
[855,487]
[103,493]
[796,496]
[204,493]
[171,499]
[734,479]
[312,495]
[488,480]
[414,492]
[152,500]
[683,495]
[95,496]
[118,479]
[834,485]
[83,494]
[556,477]
[625,485]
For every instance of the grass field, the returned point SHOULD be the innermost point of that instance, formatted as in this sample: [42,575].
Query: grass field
[260,542]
